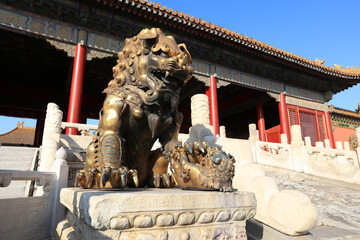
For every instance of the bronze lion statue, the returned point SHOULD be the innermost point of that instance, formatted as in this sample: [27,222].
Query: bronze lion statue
[140,107]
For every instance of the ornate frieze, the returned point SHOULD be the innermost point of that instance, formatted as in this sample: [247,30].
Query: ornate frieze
[344,121]
[156,214]
[60,34]
[203,70]
[63,36]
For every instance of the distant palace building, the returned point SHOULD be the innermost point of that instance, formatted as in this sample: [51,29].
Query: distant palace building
[255,82]
[20,135]
[344,123]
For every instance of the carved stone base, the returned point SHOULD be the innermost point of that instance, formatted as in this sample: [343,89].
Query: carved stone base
[155,214]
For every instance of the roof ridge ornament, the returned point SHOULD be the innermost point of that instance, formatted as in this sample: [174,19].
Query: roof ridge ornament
[320,61]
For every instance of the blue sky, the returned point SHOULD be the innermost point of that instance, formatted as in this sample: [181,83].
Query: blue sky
[325,29]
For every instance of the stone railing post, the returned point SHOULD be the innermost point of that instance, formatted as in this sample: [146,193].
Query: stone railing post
[307,141]
[284,138]
[319,144]
[200,111]
[327,143]
[357,131]
[346,146]
[296,147]
[61,168]
[253,138]
[51,137]
[222,131]
[339,145]
[200,119]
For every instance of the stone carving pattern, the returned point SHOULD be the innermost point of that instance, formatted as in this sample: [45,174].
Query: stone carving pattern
[24,217]
[53,118]
[200,113]
[278,151]
[180,218]
[330,156]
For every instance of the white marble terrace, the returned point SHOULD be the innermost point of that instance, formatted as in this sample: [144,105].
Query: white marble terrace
[288,211]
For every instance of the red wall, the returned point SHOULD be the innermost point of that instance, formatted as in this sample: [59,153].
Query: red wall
[343,133]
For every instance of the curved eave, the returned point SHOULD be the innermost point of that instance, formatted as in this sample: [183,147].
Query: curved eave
[224,36]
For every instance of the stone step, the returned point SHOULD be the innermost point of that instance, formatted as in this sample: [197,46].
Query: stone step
[15,161]
[8,148]
[16,158]
[17,151]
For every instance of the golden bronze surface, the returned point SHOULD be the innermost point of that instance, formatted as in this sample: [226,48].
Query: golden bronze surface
[141,107]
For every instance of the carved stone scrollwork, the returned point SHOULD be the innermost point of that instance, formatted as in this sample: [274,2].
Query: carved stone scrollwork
[277,150]
[167,219]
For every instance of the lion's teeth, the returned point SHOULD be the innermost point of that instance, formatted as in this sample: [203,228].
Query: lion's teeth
[167,74]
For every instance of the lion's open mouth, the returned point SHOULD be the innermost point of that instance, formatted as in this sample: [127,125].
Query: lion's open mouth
[165,80]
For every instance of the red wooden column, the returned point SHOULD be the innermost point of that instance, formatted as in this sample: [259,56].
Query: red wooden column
[284,119]
[261,121]
[329,130]
[76,92]
[212,95]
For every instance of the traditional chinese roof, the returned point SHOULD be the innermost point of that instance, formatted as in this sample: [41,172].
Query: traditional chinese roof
[20,135]
[355,114]
[197,26]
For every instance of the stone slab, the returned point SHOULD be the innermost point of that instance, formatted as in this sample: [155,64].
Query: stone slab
[155,214]
[256,230]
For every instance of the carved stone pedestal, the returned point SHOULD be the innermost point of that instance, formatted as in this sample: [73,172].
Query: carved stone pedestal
[155,214]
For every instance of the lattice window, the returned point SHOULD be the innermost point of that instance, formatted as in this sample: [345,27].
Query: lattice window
[320,118]
[292,116]
[308,125]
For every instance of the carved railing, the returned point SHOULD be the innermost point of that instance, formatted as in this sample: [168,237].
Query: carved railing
[337,164]
[34,217]
[41,179]
[82,128]
[320,160]
[27,217]
[274,154]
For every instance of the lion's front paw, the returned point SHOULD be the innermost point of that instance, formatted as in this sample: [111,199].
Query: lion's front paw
[107,178]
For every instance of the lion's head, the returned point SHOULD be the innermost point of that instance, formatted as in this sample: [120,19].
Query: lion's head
[154,63]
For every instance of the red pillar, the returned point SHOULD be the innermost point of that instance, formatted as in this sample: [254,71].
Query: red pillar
[284,119]
[329,130]
[214,115]
[261,121]
[77,83]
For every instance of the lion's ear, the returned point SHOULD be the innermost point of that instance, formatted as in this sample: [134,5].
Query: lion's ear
[147,34]
[149,37]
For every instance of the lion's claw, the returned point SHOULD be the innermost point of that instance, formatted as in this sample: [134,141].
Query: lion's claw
[199,147]
[80,177]
[188,147]
[134,176]
[91,178]
[162,180]
[105,175]
[123,176]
